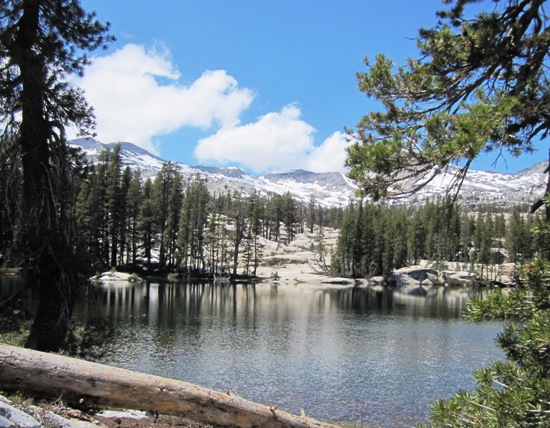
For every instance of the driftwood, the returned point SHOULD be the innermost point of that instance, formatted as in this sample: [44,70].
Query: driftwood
[73,380]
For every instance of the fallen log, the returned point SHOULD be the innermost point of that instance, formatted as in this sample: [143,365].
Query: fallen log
[55,376]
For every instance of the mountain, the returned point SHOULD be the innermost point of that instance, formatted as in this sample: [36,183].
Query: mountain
[331,188]
[132,155]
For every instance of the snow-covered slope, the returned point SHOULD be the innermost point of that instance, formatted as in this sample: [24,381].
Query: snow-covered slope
[494,187]
[331,188]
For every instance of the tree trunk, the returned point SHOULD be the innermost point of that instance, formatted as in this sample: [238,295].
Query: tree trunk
[44,208]
[55,307]
[90,383]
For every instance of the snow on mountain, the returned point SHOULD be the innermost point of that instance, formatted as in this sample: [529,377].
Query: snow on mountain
[132,155]
[493,187]
[331,188]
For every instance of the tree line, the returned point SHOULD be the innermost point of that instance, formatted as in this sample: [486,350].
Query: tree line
[375,239]
[168,223]
[173,224]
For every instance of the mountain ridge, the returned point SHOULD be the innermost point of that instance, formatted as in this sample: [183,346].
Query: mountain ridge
[330,188]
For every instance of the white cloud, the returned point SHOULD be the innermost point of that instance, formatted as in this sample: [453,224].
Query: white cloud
[277,141]
[330,155]
[137,97]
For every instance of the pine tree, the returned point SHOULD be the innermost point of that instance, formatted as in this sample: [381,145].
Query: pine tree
[357,244]
[175,200]
[500,226]
[91,217]
[124,222]
[518,237]
[480,85]
[133,214]
[311,213]
[193,221]
[467,228]
[146,222]
[43,42]
[102,207]
[114,203]
[238,215]
[416,231]
[348,246]
[399,239]
[255,216]
[274,211]
[161,199]
[289,215]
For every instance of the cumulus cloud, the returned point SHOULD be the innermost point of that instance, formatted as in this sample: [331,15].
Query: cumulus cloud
[276,141]
[137,96]
[330,156]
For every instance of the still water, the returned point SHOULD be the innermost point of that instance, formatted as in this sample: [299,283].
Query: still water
[340,354]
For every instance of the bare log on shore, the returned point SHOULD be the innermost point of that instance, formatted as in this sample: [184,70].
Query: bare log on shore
[55,376]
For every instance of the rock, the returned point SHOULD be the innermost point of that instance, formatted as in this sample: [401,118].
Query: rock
[414,281]
[107,277]
[375,281]
[127,414]
[36,417]
[338,281]
[508,281]
[19,418]
[460,279]
[419,273]
[6,423]
[508,270]
[54,420]
[361,283]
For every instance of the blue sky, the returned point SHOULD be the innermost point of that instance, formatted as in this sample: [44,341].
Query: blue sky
[267,85]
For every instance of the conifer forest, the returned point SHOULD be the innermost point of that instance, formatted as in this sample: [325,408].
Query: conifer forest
[168,225]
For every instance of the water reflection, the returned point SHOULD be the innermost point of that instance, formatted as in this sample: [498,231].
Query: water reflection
[341,354]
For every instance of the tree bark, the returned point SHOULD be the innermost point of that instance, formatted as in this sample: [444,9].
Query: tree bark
[41,240]
[55,376]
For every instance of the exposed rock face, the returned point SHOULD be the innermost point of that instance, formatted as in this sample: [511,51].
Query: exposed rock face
[415,280]
[460,278]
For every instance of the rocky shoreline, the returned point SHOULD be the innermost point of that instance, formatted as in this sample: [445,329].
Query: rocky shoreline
[18,413]
[301,262]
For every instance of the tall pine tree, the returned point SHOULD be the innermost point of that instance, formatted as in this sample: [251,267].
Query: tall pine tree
[41,44]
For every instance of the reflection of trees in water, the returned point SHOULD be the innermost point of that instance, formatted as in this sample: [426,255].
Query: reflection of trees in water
[161,318]
[291,344]
[438,302]
[170,309]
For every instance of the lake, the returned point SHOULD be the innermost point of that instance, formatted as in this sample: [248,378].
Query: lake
[341,354]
